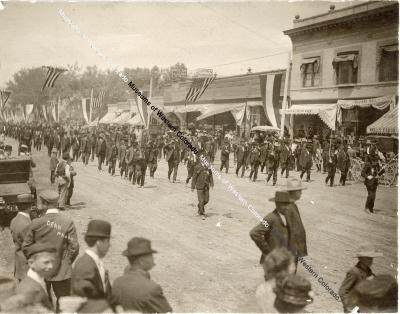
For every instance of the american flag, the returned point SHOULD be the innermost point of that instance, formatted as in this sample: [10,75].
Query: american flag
[198,87]
[98,101]
[51,76]
[3,98]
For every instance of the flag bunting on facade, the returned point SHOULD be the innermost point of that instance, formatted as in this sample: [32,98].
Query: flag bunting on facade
[98,101]
[198,87]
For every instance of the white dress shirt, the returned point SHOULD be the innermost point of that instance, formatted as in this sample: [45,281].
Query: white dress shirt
[100,266]
[36,277]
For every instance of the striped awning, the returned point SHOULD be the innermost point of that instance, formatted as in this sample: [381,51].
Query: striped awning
[387,124]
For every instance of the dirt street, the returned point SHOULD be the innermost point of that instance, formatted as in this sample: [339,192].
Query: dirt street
[212,265]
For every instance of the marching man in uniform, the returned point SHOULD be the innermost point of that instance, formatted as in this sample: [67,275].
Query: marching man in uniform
[202,180]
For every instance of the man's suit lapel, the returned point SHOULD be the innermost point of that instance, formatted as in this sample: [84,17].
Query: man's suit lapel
[99,282]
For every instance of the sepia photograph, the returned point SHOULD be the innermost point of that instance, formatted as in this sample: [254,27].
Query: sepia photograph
[199,156]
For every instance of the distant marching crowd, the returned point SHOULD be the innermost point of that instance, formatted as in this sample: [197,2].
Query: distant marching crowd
[52,276]
[118,146]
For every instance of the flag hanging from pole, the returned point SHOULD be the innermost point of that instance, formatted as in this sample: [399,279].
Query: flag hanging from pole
[51,76]
[86,109]
[44,110]
[198,87]
[27,111]
[3,98]
[98,101]
[143,109]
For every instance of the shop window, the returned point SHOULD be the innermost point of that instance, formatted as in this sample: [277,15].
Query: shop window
[389,63]
[346,67]
[310,71]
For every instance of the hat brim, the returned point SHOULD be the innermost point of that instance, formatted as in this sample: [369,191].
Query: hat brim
[126,253]
[97,235]
[369,254]
[294,189]
[273,200]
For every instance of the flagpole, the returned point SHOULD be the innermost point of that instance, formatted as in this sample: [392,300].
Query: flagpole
[90,106]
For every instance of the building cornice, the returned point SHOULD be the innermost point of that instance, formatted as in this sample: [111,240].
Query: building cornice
[325,21]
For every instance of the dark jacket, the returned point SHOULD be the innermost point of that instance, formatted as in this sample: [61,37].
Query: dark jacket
[271,237]
[59,231]
[241,154]
[86,280]
[202,178]
[19,227]
[353,276]
[285,153]
[297,235]
[343,161]
[34,291]
[135,291]
[305,159]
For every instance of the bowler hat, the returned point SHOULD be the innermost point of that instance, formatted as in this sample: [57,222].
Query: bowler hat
[281,197]
[367,251]
[294,289]
[39,247]
[49,196]
[25,198]
[380,290]
[98,228]
[294,185]
[66,156]
[138,246]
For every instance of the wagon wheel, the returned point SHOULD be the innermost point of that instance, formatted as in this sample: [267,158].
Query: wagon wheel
[356,169]
[390,175]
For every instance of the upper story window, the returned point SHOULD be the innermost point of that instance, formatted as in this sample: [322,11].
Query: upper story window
[345,65]
[310,71]
[388,63]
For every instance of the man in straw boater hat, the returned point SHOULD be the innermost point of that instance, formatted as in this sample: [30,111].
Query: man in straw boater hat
[362,270]
[278,232]
[89,276]
[134,290]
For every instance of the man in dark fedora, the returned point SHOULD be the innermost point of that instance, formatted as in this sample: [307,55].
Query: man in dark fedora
[278,231]
[59,231]
[134,290]
[89,276]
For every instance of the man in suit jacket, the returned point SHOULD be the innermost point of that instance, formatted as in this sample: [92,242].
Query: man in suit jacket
[225,151]
[134,290]
[41,259]
[89,276]
[173,159]
[241,156]
[101,147]
[202,180]
[121,158]
[306,161]
[59,231]
[277,234]
[285,153]
[19,227]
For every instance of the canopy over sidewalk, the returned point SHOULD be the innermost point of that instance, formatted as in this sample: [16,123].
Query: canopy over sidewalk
[387,124]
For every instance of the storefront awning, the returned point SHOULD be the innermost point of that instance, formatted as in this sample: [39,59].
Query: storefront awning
[237,110]
[135,121]
[108,117]
[122,118]
[380,103]
[352,57]
[327,112]
[387,124]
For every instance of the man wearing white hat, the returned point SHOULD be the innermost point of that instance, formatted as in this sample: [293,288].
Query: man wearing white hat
[362,270]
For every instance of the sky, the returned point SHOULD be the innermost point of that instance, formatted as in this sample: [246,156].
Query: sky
[228,37]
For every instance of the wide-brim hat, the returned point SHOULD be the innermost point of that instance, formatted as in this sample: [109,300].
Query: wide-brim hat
[49,196]
[25,198]
[294,185]
[66,156]
[54,150]
[367,251]
[138,246]
[281,197]
[98,228]
[294,289]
